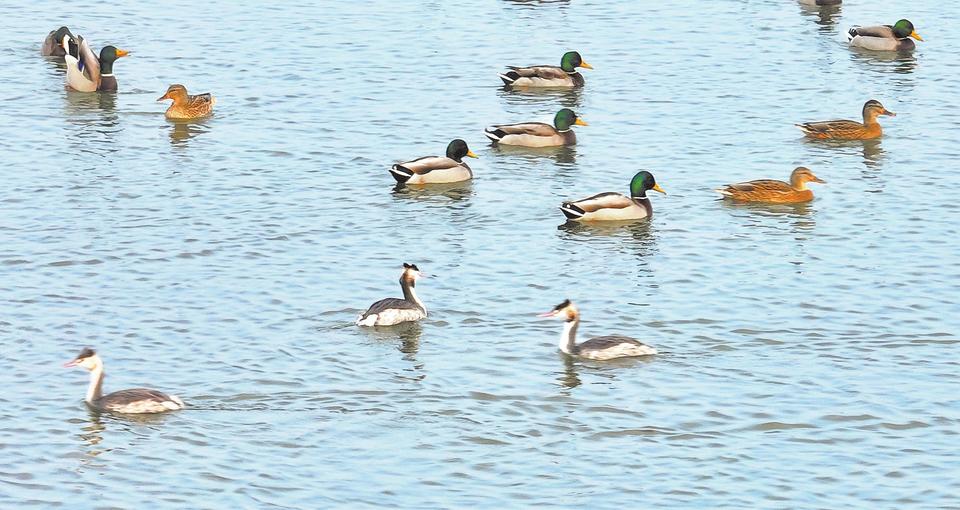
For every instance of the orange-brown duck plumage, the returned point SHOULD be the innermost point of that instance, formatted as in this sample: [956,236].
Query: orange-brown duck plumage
[771,191]
[187,106]
[849,129]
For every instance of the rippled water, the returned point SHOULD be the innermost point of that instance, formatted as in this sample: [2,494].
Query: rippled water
[808,353]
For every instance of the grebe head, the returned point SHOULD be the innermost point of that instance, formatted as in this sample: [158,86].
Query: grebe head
[567,310]
[87,359]
[411,273]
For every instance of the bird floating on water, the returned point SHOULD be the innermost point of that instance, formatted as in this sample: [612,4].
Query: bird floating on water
[538,134]
[186,106]
[849,129]
[771,191]
[601,348]
[894,37]
[436,169]
[612,206]
[132,401]
[566,75]
[85,71]
[390,311]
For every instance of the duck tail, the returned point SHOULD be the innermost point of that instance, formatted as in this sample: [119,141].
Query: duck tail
[402,174]
[724,191]
[509,77]
[571,211]
[493,133]
[853,32]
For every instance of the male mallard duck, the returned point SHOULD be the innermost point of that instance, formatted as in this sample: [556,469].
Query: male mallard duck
[538,134]
[600,348]
[186,106]
[436,169]
[53,43]
[849,129]
[548,76]
[771,191]
[821,2]
[86,72]
[884,37]
[614,206]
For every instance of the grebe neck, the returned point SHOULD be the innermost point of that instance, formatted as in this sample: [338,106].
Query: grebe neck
[410,293]
[95,390]
[568,339]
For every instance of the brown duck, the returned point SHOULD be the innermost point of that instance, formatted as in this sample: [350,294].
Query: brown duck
[849,129]
[187,106]
[771,191]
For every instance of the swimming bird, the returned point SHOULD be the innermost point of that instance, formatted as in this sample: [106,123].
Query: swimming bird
[821,2]
[53,44]
[538,134]
[187,106]
[390,311]
[132,401]
[612,206]
[548,76]
[436,169]
[894,37]
[86,72]
[600,348]
[771,191]
[849,129]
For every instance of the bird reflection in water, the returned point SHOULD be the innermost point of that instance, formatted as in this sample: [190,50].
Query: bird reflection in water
[610,369]
[564,155]
[824,15]
[640,232]
[407,333]
[523,96]
[182,131]
[897,62]
[449,192]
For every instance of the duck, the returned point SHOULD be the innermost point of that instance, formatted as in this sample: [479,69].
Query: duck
[612,206]
[849,129]
[186,106]
[86,72]
[132,401]
[436,169]
[53,44]
[773,192]
[538,134]
[392,311]
[566,75]
[894,37]
[820,3]
[601,348]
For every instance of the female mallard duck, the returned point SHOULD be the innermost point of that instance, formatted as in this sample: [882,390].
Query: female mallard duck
[884,37]
[436,169]
[548,76]
[53,43]
[849,129]
[390,311]
[601,348]
[538,134]
[771,191]
[132,401]
[614,206]
[186,106]
[86,72]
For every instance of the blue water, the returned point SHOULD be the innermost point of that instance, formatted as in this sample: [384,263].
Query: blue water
[807,353]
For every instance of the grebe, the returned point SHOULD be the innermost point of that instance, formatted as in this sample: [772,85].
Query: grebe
[390,311]
[849,129]
[601,348]
[538,134]
[614,206]
[894,37]
[132,401]
[548,76]
[436,169]
[771,191]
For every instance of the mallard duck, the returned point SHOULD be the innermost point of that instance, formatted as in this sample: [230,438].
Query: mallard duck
[186,106]
[548,76]
[436,169]
[849,129]
[86,72]
[391,311]
[600,348]
[821,2]
[884,37]
[538,134]
[614,206]
[771,191]
[53,44]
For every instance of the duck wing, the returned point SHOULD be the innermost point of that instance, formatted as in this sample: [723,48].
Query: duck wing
[544,72]
[523,128]
[428,164]
[609,200]
[89,63]
[831,128]
[884,31]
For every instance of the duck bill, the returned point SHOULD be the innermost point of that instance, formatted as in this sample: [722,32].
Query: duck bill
[165,96]
[916,36]
[580,122]
[122,53]
[888,112]
[588,66]
[817,179]
[656,187]
[470,154]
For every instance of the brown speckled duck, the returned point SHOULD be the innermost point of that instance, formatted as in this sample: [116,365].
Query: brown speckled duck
[186,106]
[771,191]
[849,129]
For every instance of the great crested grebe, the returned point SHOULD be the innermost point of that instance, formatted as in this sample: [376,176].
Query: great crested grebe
[390,311]
[132,401]
[600,348]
